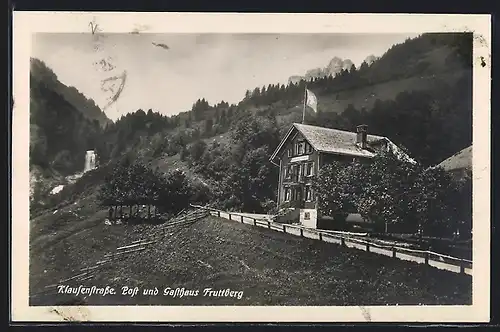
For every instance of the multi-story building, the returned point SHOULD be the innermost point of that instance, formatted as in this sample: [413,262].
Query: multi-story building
[302,153]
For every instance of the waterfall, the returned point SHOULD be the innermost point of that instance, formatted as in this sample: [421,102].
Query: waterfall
[89,161]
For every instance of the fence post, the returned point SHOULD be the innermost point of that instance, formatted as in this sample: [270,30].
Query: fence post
[462,267]
[269,224]
[367,247]
[254,222]
[394,252]
[218,214]
[342,241]
[320,236]
[284,229]
[229,214]
[426,258]
[241,219]
[301,232]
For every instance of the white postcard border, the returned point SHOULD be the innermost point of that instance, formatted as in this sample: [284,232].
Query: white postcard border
[27,23]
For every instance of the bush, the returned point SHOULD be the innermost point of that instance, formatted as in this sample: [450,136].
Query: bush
[270,207]
[406,196]
[200,193]
[176,193]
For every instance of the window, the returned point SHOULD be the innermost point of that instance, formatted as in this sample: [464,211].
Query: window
[287,172]
[297,194]
[287,194]
[289,152]
[308,148]
[300,149]
[295,172]
[310,169]
[308,193]
[307,215]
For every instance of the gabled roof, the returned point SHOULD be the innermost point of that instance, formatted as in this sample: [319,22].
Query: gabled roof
[329,140]
[334,141]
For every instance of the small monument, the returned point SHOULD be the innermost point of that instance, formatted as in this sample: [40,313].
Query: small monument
[90,162]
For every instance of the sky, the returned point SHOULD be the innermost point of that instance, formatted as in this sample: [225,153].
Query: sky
[169,72]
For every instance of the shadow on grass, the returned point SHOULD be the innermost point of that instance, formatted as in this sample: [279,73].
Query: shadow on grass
[140,220]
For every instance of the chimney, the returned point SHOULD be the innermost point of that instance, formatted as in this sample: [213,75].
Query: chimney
[361,135]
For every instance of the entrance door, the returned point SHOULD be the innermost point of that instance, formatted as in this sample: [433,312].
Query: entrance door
[298,196]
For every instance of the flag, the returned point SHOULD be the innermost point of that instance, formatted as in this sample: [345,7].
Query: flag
[312,101]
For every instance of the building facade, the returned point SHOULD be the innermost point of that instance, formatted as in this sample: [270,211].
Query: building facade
[302,153]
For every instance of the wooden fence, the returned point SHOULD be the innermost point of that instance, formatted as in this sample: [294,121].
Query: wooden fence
[351,240]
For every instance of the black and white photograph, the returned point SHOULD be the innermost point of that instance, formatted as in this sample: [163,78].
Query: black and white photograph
[215,169]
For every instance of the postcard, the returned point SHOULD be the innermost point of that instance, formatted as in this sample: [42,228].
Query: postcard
[224,167]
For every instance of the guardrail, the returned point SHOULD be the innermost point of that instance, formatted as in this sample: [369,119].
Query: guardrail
[345,239]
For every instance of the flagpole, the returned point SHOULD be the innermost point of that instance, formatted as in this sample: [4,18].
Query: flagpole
[304,109]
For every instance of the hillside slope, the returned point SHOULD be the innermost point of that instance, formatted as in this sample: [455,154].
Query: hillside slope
[271,268]
[40,73]
[462,160]
[366,96]
[415,65]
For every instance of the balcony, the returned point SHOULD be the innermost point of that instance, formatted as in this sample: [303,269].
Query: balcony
[297,179]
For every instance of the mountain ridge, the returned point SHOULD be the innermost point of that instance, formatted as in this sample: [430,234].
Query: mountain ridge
[39,71]
[334,67]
